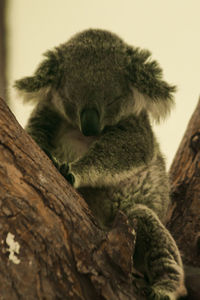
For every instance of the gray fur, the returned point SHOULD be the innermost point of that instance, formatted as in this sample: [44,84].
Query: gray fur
[97,83]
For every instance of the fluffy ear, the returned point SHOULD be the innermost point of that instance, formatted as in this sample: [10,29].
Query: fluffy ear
[46,76]
[149,89]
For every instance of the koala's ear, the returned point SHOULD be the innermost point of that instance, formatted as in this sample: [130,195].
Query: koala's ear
[150,91]
[45,77]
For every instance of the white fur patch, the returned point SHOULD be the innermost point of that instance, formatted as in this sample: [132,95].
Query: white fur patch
[33,96]
[158,109]
[71,144]
[57,101]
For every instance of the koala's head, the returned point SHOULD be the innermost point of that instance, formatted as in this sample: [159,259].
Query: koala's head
[95,80]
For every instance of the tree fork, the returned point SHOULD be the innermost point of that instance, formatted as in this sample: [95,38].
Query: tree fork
[51,245]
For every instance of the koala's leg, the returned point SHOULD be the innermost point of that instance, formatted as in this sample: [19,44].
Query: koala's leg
[156,250]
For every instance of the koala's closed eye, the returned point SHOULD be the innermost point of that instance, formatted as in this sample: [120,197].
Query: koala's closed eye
[115,100]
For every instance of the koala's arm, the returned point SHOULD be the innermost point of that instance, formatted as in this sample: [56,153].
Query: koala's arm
[114,156]
[43,125]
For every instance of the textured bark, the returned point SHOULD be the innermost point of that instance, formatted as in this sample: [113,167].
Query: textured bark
[51,246]
[184,214]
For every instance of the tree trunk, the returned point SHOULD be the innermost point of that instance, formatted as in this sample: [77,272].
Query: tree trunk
[51,246]
[184,213]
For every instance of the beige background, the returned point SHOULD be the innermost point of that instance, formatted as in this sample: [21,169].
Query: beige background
[170,29]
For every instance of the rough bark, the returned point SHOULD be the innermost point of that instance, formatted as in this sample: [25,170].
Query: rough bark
[184,213]
[51,246]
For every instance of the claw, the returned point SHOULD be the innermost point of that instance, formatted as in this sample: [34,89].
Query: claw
[64,170]
[70,179]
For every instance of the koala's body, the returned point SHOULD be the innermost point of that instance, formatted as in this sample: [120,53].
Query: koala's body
[94,95]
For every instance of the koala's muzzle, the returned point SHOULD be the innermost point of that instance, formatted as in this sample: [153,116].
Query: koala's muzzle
[90,122]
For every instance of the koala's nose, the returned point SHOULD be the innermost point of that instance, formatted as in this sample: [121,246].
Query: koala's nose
[90,122]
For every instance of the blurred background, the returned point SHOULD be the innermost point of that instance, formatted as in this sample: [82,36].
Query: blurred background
[169,29]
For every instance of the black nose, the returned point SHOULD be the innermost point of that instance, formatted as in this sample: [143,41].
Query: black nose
[90,123]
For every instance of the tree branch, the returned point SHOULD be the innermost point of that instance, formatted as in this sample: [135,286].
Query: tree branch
[184,213]
[51,246]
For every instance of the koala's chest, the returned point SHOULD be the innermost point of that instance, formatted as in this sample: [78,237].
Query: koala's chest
[71,144]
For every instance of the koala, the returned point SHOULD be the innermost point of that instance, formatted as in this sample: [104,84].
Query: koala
[95,98]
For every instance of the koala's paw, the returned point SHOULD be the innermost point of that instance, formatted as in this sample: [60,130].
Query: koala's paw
[156,293]
[64,170]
